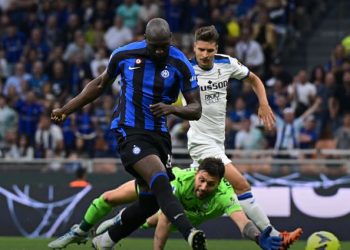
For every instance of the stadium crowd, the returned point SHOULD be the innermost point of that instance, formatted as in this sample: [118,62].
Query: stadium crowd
[49,50]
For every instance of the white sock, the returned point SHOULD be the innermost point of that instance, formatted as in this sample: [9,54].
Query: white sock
[255,212]
[106,240]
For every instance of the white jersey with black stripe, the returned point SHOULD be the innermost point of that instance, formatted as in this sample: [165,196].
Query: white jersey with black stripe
[213,92]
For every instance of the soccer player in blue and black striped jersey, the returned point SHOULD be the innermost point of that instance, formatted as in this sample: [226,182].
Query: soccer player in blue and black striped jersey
[152,74]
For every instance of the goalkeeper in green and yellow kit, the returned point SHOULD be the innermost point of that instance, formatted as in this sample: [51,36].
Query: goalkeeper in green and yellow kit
[203,193]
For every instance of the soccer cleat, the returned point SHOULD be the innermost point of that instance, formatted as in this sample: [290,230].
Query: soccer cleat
[75,235]
[104,226]
[98,244]
[197,240]
[288,238]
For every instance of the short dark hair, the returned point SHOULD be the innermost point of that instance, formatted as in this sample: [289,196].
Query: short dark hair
[214,167]
[207,34]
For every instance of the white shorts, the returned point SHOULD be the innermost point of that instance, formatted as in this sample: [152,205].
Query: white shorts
[201,151]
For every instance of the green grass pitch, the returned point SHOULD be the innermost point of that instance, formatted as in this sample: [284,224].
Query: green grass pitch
[16,243]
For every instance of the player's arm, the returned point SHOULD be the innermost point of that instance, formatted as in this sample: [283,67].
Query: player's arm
[91,91]
[192,111]
[250,231]
[162,232]
[265,112]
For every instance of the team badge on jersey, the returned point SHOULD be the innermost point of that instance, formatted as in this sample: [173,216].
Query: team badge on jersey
[136,150]
[165,73]
[138,61]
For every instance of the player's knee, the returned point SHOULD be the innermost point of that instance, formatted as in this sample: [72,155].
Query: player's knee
[242,186]
[108,197]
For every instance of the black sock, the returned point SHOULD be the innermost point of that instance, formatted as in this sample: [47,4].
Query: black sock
[169,204]
[134,216]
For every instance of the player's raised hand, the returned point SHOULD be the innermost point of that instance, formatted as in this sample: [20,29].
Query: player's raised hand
[267,242]
[159,109]
[266,116]
[57,116]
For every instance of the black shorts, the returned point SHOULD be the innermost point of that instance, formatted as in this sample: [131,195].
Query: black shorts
[135,144]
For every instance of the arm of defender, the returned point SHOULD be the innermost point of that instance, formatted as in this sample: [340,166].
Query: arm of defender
[162,232]
[265,112]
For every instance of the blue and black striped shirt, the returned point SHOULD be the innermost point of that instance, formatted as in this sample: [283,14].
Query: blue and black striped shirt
[144,83]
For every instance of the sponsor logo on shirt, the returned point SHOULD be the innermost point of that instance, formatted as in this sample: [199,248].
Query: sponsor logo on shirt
[214,85]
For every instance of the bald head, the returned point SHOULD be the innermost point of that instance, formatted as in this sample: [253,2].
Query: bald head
[157,29]
[158,37]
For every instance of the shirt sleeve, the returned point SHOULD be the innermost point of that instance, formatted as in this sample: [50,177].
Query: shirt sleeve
[188,79]
[228,200]
[232,205]
[239,71]
[113,67]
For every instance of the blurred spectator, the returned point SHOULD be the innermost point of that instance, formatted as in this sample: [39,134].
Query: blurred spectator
[8,118]
[342,97]
[218,21]
[342,135]
[238,114]
[26,151]
[100,59]
[249,52]
[78,72]
[104,12]
[129,12]
[38,79]
[278,15]
[330,103]
[148,10]
[29,111]
[68,129]
[13,42]
[59,81]
[48,139]
[264,32]
[38,42]
[80,180]
[118,34]
[53,33]
[301,92]
[173,12]
[19,80]
[86,131]
[337,58]
[249,137]
[277,72]
[4,69]
[10,149]
[288,129]
[307,135]
[78,46]
[72,26]
[94,35]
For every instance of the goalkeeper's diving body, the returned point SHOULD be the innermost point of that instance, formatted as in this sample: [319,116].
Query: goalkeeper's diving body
[202,191]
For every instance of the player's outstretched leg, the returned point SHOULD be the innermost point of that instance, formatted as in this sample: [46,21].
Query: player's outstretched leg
[290,237]
[74,235]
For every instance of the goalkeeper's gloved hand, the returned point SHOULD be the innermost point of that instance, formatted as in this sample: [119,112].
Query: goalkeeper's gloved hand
[267,242]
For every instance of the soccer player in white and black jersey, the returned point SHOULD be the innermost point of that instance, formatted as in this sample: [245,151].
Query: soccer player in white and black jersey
[206,136]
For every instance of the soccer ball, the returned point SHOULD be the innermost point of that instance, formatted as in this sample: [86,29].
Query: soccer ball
[322,240]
